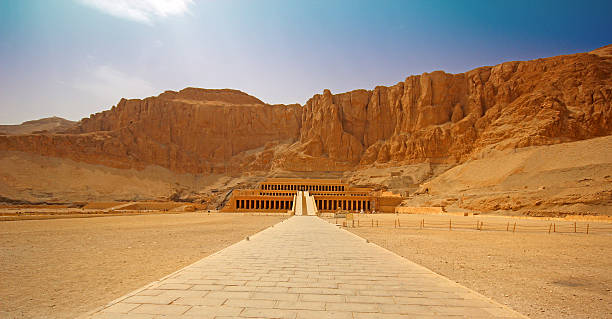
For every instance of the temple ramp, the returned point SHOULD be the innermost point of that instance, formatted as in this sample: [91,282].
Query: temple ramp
[298,204]
[311,205]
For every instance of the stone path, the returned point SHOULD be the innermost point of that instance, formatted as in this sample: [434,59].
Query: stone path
[304,267]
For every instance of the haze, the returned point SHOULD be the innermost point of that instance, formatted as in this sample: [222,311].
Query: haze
[74,58]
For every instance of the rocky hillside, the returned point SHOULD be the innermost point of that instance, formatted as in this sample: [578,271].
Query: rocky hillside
[47,125]
[194,131]
[421,126]
[442,117]
[554,180]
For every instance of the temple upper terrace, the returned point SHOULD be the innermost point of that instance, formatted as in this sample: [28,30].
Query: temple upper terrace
[296,184]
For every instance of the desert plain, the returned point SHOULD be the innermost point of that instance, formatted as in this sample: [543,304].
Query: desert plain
[66,267]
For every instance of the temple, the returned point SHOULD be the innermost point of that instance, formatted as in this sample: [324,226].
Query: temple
[310,196]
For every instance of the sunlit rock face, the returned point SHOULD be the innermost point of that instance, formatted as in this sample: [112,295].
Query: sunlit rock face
[434,117]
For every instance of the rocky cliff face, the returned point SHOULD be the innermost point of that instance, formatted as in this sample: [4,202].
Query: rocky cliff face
[441,117]
[194,130]
[434,117]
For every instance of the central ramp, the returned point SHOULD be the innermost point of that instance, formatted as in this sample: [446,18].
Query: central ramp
[304,267]
[304,204]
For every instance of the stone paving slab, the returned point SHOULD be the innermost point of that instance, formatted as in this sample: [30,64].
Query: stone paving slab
[304,267]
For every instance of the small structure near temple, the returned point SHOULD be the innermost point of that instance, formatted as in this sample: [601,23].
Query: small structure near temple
[329,195]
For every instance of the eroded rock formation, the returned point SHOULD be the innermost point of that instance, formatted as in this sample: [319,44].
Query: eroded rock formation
[194,130]
[434,117]
[441,117]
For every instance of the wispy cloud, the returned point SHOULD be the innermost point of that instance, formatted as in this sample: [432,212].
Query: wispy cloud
[110,84]
[144,11]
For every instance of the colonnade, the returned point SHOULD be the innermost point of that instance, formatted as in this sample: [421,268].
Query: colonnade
[264,204]
[303,187]
[344,204]
[275,194]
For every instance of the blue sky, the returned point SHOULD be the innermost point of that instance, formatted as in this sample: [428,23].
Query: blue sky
[76,57]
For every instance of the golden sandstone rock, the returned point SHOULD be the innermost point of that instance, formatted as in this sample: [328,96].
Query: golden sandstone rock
[434,117]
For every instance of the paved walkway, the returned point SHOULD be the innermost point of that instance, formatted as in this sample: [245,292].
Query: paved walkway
[304,267]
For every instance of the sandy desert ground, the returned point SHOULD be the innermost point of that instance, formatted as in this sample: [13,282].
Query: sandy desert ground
[54,268]
[61,268]
[557,275]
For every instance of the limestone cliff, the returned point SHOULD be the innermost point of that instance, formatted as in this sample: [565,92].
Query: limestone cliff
[434,117]
[441,117]
[194,130]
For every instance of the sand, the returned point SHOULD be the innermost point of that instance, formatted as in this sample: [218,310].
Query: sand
[61,268]
[557,275]
[38,179]
[554,180]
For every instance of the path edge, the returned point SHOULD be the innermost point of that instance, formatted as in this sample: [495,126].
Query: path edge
[433,272]
[134,292]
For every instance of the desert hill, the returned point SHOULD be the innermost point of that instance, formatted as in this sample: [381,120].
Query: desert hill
[395,137]
[561,179]
[47,125]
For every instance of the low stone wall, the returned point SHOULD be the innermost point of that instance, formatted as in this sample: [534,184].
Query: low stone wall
[419,210]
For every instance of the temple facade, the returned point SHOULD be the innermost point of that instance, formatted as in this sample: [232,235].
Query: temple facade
[329,195]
